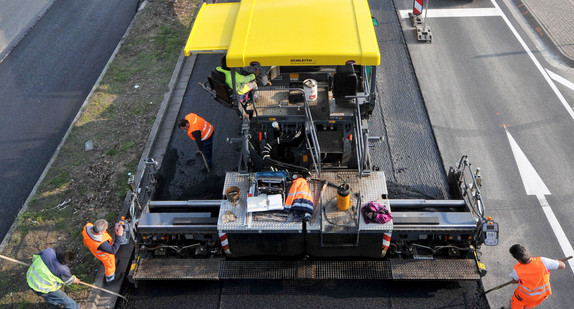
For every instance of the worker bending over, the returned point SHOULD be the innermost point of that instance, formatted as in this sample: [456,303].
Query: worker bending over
[201,131]
[47,274]
[533,277]
[97,239]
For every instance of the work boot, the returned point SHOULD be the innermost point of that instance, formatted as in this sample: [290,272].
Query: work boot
[117,278]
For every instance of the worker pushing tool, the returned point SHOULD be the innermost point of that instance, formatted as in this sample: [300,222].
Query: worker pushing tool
[201,132]
[48,273]
[99,241]
[533,277]
[77,281]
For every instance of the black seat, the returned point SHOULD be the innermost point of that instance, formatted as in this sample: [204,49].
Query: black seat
[345,83]
[222,90]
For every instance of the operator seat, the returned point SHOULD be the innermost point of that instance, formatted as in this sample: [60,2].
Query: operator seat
[222,90]
[345,83]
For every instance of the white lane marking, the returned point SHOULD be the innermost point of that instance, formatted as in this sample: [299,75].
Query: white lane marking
[535,186]
[530,179]
[557,229]
[538,65]
[560,79]
[404,14]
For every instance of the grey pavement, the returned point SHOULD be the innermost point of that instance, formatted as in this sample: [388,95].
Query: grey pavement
[16,18]
[552,22]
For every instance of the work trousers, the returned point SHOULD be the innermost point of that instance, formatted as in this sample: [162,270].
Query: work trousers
[208,149]
[525,304]
[58,298]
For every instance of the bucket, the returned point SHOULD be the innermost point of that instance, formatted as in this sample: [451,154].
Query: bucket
[310,89]
[233,195]
[343,197]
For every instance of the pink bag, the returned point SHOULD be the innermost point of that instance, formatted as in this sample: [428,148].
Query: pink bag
[375,212]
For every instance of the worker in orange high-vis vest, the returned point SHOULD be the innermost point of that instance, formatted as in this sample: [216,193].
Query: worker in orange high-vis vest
[201,132]
[100,243]
[533,277]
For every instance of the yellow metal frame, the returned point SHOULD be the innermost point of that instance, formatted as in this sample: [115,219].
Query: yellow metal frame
[212,29]
[287,32]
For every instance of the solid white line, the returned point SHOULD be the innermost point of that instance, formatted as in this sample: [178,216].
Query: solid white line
[404,14]
[530,178]
[560,79]
[556,227]
[558,231]
[538,65]
[535,186]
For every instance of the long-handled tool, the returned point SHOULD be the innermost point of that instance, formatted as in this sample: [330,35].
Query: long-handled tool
[511,281]
[205,161]
[102,289]
[80,282]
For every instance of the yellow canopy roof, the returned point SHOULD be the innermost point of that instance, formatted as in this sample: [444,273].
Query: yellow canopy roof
[287,32]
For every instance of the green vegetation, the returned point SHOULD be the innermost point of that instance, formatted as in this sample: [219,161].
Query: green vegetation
[85,185]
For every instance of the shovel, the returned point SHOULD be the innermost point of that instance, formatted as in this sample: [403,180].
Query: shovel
[205,161]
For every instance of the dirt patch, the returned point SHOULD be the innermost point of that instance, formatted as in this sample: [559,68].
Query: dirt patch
[82,185]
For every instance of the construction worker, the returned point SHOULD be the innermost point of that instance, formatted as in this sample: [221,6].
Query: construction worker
[97,239]
[243,83]
[48,272]
[533,277]
[201,132]
[299,200]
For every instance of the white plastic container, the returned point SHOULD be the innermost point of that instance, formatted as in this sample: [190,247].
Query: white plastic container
[310,89]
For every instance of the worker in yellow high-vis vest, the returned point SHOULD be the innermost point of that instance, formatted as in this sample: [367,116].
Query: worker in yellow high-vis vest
[48,272]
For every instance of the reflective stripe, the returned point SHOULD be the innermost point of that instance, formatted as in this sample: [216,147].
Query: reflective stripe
[100,253]
[535,291]
[300,192]
[205,134]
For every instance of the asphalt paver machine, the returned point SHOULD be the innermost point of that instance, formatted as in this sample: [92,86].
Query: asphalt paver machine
[313,119]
